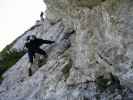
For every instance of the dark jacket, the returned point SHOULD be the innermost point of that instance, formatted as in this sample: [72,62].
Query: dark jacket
[35,44]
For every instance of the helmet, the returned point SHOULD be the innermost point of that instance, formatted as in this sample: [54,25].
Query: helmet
[33,37]
[30,37]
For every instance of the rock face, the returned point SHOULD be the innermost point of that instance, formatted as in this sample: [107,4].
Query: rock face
[92,58]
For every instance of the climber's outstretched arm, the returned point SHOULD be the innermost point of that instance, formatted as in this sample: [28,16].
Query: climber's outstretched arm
[48,41]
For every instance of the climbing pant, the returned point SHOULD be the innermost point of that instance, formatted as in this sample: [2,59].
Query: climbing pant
[30,72]
[31,54]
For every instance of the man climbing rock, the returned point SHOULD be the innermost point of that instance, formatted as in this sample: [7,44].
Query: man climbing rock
[41,16]
[33,46]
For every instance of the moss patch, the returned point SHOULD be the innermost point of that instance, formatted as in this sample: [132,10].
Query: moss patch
[1,79]
[113,5]
[66,69]
[111,82]
[101,83]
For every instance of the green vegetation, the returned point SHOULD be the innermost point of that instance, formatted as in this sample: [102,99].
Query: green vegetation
[66,69]
[111,83]
[115,4]
[102,83]
[8,58]
[1,78]
[88,3]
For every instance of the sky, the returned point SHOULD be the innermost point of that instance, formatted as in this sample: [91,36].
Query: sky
[16,16]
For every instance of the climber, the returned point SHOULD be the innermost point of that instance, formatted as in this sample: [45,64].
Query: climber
[41,16]
[33,46]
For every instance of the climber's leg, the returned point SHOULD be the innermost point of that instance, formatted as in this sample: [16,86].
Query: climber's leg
[40,51]
[31,55]
[42,61]
[30,71]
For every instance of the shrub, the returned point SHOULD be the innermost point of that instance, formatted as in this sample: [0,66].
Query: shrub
[8,58]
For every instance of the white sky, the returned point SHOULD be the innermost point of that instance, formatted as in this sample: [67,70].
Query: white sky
[16,16]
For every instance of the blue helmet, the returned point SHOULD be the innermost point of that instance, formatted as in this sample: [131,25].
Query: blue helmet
[30,37]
